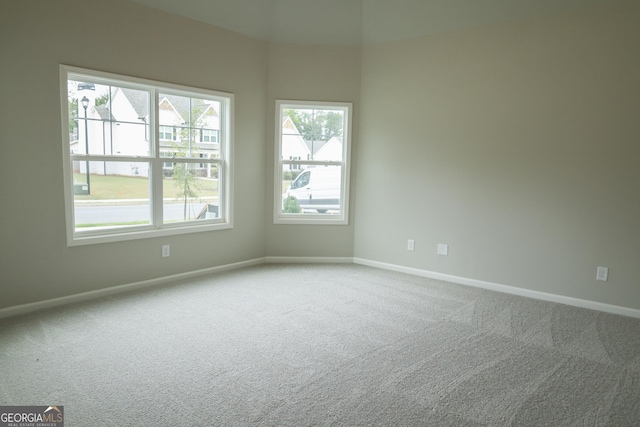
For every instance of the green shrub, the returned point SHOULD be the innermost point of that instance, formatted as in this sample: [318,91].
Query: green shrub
[291,205]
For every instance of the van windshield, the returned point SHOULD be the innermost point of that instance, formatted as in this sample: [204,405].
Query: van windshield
[302,180]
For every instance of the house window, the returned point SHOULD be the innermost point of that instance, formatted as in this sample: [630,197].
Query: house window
[314,190]
[166,133]
[121,184]
[208,135]
[294,166]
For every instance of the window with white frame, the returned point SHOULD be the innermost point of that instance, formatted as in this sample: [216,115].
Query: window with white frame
[121,184]
[208,135]
[312,162]
[166,133]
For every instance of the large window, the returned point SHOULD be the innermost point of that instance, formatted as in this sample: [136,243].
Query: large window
[135,163]
[312,162]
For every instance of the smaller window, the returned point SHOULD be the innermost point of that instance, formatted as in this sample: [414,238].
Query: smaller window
[208,135]
[167,133]
[312,162]
[294,166]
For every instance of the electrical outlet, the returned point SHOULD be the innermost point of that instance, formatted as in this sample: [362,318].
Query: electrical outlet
[602,274]
[166,251]
[443,249]
[411,245]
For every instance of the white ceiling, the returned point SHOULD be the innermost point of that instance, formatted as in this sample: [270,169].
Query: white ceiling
[354,22]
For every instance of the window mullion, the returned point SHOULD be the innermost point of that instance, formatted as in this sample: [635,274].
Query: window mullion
[109,158]
[156,171]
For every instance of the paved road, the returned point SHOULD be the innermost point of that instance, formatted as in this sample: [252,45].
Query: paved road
[97,214]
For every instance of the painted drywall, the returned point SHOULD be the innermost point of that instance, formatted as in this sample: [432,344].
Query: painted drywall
[126,38]
[312,73]
[515,144]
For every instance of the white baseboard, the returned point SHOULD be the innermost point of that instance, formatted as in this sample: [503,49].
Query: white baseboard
[307,260]
[26,308]
[577,302]
[593,305]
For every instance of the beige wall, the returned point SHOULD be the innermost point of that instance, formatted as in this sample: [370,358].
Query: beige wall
[120,37]
[516,144]
[314,73]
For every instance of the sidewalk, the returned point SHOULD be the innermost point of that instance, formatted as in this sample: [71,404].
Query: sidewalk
[127,202]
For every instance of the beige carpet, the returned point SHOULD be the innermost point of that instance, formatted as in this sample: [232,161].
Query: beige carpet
[302,345]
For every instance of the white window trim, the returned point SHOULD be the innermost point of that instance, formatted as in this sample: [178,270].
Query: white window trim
[307,218]
[156,229]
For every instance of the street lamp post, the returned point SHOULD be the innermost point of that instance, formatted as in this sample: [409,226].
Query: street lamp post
[85,104]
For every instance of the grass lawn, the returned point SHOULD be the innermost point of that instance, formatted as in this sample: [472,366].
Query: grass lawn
[285,185]
[128,187]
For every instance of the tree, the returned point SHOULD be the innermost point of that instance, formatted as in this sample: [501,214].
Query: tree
[102,99]
[73,116]
[186,183]
[333,125]
[316,125]
[184,175]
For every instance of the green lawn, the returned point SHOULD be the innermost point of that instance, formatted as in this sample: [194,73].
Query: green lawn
[126,187]
[285,184]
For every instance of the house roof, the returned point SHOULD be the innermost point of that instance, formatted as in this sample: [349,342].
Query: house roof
[312,145]
[180,104]
[328,150]
[103,112]
[138,100]
[315,146]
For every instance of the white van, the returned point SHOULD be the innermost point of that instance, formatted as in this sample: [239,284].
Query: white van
[317,188]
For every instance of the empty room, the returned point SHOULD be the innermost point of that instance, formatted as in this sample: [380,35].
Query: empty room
[320,212]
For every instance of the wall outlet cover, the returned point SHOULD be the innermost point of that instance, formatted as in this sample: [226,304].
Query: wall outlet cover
[602,274]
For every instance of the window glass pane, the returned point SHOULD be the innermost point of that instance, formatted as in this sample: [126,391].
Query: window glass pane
[166,133]
[205,113]
[190,191]
[312,134]
[189,127]
[174,110]
[190,148]
[294,145]
[311,189]
[127,139]
[108,120]
[297,121]
[110,194]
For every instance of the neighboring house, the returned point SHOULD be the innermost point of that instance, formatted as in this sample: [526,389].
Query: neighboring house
[332,150]
[293,145]
[188,127]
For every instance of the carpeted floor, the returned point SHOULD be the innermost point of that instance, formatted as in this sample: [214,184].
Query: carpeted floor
[302,345]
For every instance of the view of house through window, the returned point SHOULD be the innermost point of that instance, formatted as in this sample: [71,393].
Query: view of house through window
[144,155]
[312,165]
